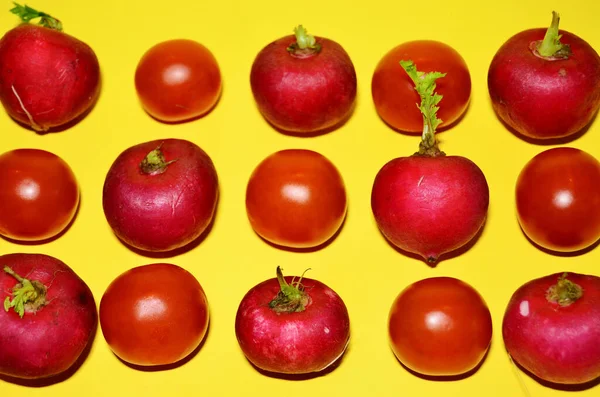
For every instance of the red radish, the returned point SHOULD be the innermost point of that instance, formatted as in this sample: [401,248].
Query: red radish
[49,316]
[292,326]
[551,327]
[47,78]
[545,83]
[303,84]
[429,203]
[160,195]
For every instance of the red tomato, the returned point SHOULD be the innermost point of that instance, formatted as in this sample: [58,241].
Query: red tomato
[558,199]
[155,314]
[440,326]
[39,195]
[296,198]
[394,92]
[177,80]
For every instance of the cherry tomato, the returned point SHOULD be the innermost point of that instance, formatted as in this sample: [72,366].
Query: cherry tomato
[177,80]
[558,199]
[440,326]
[39,195]
[296,198]
[154,314]
[394,94]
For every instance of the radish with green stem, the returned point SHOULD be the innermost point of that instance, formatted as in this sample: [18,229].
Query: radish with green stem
[429,204]
[47,78]
[49,316]
[304,84]
[292,325]
[551,327]
[545,83]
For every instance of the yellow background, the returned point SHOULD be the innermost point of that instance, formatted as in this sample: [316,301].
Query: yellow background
[359,264]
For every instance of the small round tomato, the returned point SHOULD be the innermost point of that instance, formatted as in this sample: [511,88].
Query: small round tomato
[39,195]
[154,314]
[177,80]
[440,326]
[558,199]
[393,90]
[296,198]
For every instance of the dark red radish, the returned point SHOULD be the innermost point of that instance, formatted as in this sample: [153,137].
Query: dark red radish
[545,83]
[47,78]
[292,325]
[160,195]
[429,203]
[303,84]
[49,316]
[551,327]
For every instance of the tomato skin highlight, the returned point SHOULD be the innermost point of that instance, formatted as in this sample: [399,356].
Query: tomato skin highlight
[558,344]
[393,92]
[558,199]
[541,98]
[296,198]
[39,195]
[56,76]
[178,80]
[440,326]
[292,343]
[47,341]
[155,314]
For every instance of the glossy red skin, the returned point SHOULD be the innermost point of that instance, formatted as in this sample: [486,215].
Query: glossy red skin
[278,215]
[56,76]
[155,314]
[292,343]
[161,212]
[39,195]
[440,326]
[541,98]
[178,80]
[303,95]
[48,341]
[394,92]
[558,344]
[430,206]
[559,225]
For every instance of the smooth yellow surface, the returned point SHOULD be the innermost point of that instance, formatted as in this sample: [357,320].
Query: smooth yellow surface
[359,264]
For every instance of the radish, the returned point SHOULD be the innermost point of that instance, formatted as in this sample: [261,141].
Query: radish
[304,84]
[429,203]
[545,83]
[292,326]
[47,78]
[551,327]
[160,195]
[49,316]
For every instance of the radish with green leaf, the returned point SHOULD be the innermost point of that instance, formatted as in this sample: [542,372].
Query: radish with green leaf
[545,83]
[304,84]
[49,316]
[292,325]
[47,78]
[429,204]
